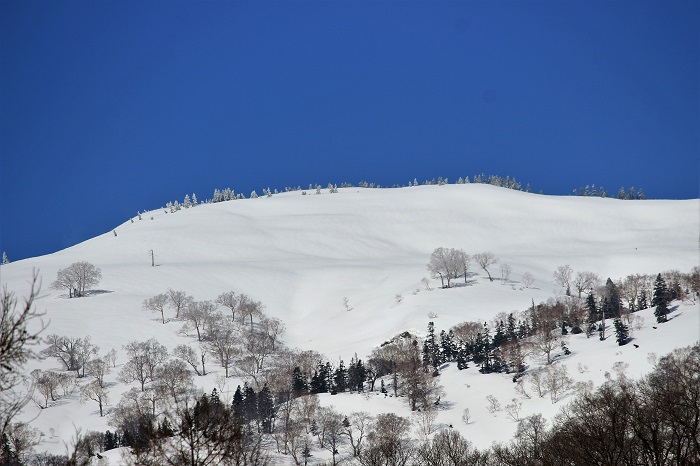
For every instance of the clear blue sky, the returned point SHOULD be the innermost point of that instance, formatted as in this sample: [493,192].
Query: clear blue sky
[109,107]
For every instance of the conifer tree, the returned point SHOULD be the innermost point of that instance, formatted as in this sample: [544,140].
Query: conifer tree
[614,300]
[621,332]
[299,385]
[661,312]
[249,407]
[500,337]
[592,306]
[642,302]
[340,378]
[266,409]
[319,381]
[448,349]
[660,291]
[237,403]
[5,260]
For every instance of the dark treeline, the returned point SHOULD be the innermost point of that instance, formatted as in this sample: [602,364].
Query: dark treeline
[653,421]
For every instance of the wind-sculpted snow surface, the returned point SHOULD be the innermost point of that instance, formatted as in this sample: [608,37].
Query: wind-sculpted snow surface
[301,255]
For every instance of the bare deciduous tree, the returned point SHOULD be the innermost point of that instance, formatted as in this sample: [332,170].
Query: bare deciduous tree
[557,381]
[356,428]
[250,308]
[486,260]
[585,281]
[537,381]
[630,289]
[178,300]
[449,448]
[493,404]
[388,442]
[64,349]
[18,335]
[448,263]
[46,383]
[513,409]
[466,417]
[85,352]
[173,380]
[562,277]
[230,300]
[466,332]
[505,273]
[77,278]
[98,368]
[197,315]
[547,340]
[93,391]
[191,357]
[156,304]
[144,358]
[223,343]
[330,430]
[527,279]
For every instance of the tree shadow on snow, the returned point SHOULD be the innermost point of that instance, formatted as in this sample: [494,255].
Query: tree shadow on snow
[97,292]
[462,284]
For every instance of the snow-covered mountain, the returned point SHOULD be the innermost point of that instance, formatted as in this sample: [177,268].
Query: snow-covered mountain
[301,255]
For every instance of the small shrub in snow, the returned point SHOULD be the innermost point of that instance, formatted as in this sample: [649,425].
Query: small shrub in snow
[513,409]
[466,417]
[494,405]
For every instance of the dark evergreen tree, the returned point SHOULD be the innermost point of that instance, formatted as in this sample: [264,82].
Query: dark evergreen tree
[357,374]
[165,430]
[524,329]
[661,294]
[621,332]
[661,312]
[299,385]
[237,403]
[249,407]
[266,409]
[319,381]
[592,307]
[511,330]
[462,358]
[448,349]
[340,378]
[500,337]
[214,399]
[614,299]
[426,354]
[431,350]
[110,442]
[8,457]
[643,300]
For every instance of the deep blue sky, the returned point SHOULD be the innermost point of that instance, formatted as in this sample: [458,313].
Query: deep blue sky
[109,107]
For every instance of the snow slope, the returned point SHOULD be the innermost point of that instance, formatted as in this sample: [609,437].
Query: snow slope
[302,254]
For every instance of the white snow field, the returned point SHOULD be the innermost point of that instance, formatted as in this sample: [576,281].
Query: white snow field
[302,254]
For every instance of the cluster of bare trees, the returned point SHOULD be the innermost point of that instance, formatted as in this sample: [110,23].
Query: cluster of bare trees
[448,264]
[653,421]
[77,278]
[78,355]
